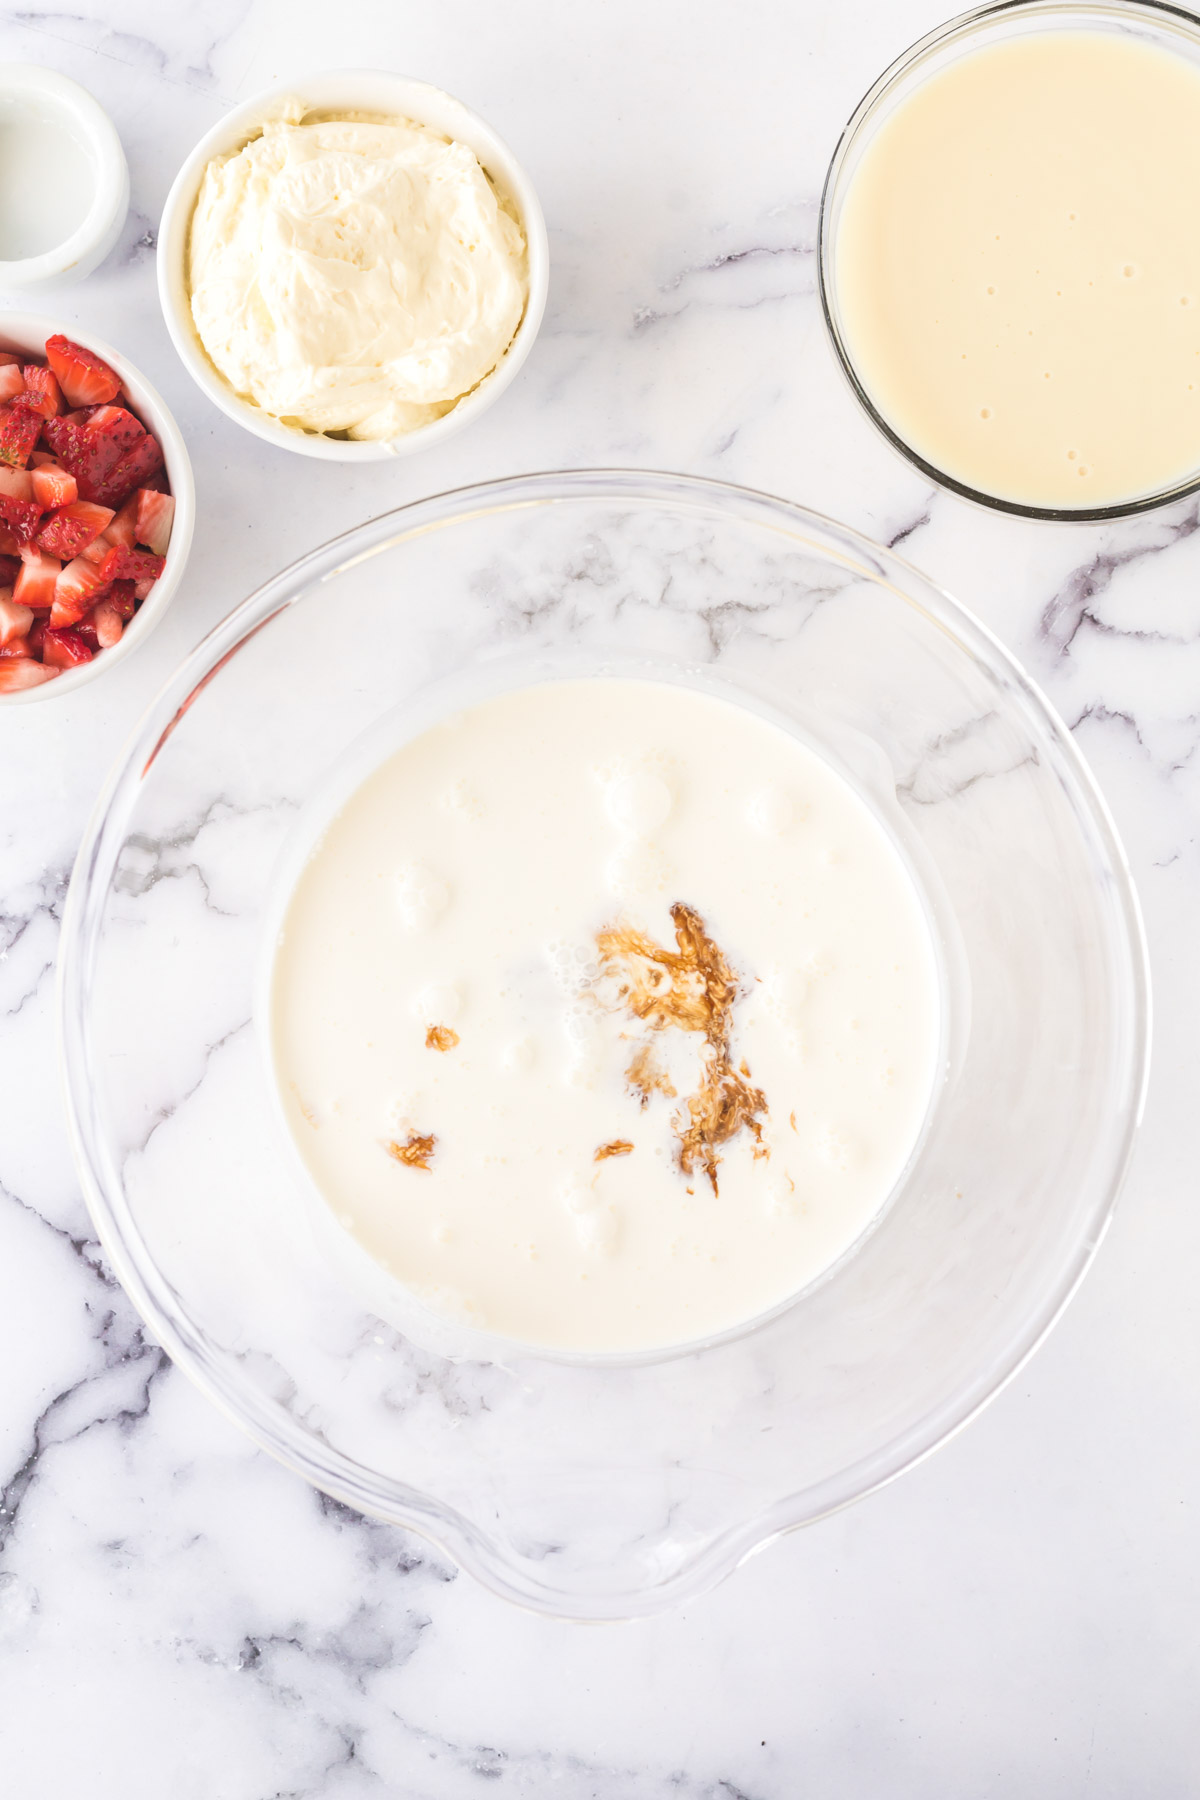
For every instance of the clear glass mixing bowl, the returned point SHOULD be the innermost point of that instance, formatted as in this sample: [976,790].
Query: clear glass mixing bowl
[584,1490]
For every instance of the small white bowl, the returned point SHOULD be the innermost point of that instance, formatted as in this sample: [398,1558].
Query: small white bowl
[27,333]
[68,138]
[348,90]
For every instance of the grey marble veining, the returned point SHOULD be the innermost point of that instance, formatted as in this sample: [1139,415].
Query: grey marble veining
[180,1616]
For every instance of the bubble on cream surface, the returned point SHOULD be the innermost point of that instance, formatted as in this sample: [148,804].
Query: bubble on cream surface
[657,1122]
[422,896]
[772,811]
[439,1003]
[638,801]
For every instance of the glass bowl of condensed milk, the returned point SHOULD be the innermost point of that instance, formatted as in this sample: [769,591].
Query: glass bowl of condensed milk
[603,1017]
[1007,264]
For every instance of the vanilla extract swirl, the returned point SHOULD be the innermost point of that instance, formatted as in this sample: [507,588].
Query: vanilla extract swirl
[691,988]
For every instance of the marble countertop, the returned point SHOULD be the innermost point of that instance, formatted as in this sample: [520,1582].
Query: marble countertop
[178,1615]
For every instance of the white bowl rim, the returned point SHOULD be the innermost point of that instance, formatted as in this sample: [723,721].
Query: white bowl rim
[35,328]
[319,91]
[101,224]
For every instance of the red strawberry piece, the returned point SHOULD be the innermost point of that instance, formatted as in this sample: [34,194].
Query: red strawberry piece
[86,631]
[23,672]
[16,484]
[7,356]
[20,429]
[18,647]
[66,532]
[10,568]
[75,588]
[123,529]
[12,382]
[121,597]
[65,648]
[15,621]
[52,485]
[35,578]
[141,590]
[21,517]
[37,632]
[107,623]
[42,392]
[158,481]
[99,547]
[92,451]
[155,516]
[131,565]
[9,547]
[133,471]
[84,378]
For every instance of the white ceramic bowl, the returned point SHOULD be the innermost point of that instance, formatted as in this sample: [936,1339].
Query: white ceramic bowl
[38,104]
[350,90]
[27,333]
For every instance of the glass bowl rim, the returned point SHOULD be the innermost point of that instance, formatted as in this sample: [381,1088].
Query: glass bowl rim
[965,25]
[331,1471]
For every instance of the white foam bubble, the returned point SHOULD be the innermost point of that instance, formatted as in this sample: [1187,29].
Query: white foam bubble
[772,811]
[598,1231]
[422,896]
[578,1196]
[440,1003]
[638,802]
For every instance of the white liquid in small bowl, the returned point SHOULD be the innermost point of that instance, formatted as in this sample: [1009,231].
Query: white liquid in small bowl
[46,181]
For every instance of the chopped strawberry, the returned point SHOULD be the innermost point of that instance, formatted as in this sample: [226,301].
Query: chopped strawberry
[123,529]
[12,382]
[37,633]
[121,597]
[86,631]
[42,392]
[6,357]
[52,485]
[99,547]
[155,516]
[158,481]
[23,672]
[15,620]
[83,377]
[131,565]
[107,624]
[141,590]
[10,568]
[9,547]
[74,590]
[16,484]
[92,451]
[21,517]
[67,531]
[64,649]
[18,646]
[133,471]
[20,427]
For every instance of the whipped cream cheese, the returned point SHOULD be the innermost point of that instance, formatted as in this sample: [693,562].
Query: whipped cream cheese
[605,1015]
[352,275]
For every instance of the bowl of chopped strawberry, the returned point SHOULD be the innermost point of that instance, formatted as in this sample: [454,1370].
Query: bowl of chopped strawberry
[96,508]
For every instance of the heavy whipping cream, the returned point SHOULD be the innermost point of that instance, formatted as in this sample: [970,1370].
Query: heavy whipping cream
[1018,273]
[605,1015]
[352,275]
